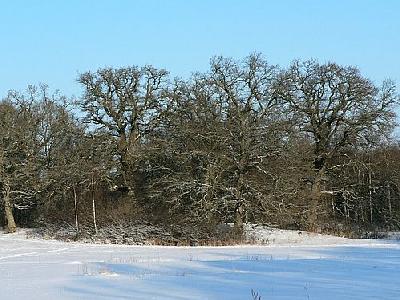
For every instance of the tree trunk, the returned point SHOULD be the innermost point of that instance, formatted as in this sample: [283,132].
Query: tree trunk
[94,206]
[11,226]
[371,208]
[127,146]
[239,217]
[76,209]
[389,201]
[239,209]
[315,200]
[123,152]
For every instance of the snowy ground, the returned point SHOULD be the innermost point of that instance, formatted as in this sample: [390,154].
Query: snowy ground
[295,266]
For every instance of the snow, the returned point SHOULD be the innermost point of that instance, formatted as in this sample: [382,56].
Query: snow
[268,235]
[293,266]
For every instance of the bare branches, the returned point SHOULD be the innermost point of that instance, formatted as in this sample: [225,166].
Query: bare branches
[125,101]
[335,104]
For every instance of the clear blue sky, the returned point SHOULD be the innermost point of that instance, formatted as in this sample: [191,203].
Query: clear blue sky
[51,41]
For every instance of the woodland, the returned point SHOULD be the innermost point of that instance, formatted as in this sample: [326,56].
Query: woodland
[311,146]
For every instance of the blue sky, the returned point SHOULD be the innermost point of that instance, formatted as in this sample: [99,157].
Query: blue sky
[51,41]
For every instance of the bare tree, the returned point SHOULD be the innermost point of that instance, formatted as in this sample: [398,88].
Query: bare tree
[19,155]
[221,129]
[126,102]
[243,91]
[335,106]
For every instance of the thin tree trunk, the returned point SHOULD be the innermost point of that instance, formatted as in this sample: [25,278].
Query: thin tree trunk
[389,201]
[370,197]
[94,206]
[11,226]
[362,208]
[76,209]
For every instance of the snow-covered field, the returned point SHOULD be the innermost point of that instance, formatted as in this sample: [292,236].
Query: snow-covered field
[295,266]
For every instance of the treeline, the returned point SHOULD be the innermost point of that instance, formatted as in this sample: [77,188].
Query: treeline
[309,146]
